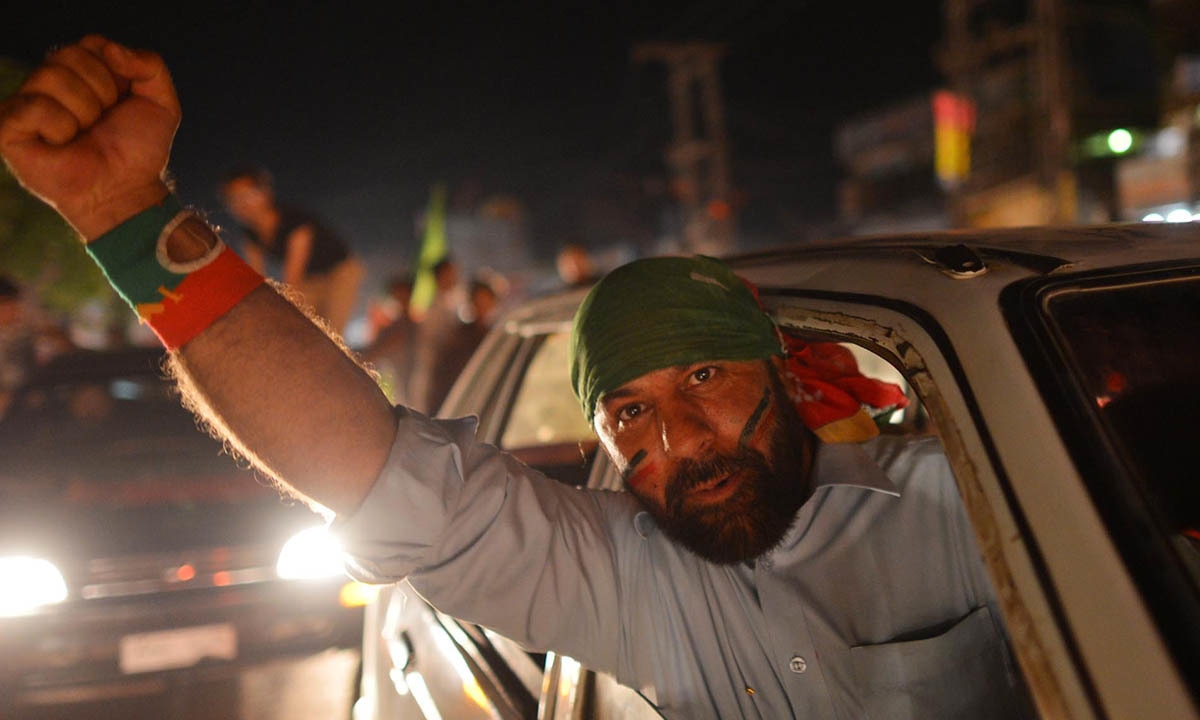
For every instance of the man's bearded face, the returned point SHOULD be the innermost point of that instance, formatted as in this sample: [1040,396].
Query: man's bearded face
[716,453]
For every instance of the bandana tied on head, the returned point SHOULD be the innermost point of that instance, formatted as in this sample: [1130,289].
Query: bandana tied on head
[663,312]
[671,311]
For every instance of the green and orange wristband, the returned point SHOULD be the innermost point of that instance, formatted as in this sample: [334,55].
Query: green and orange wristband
[178,300]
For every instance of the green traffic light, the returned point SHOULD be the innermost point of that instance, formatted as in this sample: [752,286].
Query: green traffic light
[1120,141]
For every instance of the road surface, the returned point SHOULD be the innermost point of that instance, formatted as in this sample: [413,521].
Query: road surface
[319,687]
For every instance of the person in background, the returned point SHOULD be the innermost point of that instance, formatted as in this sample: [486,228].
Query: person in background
[313,259]
[483,304]
[18,342]
[575,266]
[392,349]
[475,318]
[437,330]
[29,337]
[391,305]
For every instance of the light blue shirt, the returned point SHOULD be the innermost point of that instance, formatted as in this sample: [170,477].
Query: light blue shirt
[875,604]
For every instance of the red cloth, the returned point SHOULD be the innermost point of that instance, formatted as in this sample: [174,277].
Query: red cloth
[829,386]
[834,399]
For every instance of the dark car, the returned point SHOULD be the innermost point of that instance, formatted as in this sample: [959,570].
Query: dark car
[136,554]
[1056,366]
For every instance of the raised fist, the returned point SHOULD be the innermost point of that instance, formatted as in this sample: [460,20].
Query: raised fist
[90,132]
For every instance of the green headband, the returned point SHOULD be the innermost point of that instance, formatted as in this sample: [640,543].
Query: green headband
[663,312]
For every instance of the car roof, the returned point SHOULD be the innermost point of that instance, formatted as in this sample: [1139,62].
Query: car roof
[1043,248]
[907,266]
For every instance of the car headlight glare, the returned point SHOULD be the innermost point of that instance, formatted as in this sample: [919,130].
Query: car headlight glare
[28,583]
[311,553]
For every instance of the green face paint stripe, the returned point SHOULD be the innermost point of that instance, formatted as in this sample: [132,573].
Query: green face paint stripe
[755,417]
[634,461]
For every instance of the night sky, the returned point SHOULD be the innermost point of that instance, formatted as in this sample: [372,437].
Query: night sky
[359,111]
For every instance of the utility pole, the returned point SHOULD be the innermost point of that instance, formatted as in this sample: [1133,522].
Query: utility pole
[1053,120]
[698,156]
[970,61]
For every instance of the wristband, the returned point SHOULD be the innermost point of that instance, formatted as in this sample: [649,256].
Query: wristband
[178,300]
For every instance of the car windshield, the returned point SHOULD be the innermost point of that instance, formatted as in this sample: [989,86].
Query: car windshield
[1133,346]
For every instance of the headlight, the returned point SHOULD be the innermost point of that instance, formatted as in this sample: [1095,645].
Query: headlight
[311,553]
[27,584]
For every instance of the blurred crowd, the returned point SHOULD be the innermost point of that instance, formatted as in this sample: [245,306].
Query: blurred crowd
[28,338]
[417,345]
[419,351]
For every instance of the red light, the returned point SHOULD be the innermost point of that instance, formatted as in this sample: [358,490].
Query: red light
[185,573]
[719,210]
[221,578]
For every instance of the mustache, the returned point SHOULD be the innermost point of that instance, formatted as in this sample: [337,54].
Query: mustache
[693,473]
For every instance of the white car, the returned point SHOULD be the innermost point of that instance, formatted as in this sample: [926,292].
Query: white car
[1058,367]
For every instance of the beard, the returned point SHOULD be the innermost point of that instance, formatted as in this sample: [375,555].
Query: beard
[753,520]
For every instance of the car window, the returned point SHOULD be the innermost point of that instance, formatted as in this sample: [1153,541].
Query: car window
[1131,345]
[545,410]
[1112,353]
[545,427]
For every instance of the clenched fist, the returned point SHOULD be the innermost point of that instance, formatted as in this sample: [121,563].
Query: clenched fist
[90,132]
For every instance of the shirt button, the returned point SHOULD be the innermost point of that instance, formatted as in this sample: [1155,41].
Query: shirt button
[797,664]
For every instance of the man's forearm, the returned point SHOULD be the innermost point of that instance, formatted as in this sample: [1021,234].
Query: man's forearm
[283,393]
[290,399]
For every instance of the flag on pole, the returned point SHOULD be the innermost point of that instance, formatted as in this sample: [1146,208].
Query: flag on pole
[434,248]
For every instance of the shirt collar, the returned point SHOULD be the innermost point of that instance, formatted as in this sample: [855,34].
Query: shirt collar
[849,465]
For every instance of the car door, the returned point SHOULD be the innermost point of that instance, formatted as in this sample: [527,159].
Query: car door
[1085,639]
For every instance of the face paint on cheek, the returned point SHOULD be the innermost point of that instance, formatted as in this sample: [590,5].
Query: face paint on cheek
[755,417]
[631,474]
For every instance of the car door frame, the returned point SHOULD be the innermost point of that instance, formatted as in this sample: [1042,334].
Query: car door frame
[488,386]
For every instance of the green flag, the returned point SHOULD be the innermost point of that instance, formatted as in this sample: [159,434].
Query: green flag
[433,248]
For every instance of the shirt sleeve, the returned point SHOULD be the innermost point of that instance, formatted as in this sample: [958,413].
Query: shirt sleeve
[489,540]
